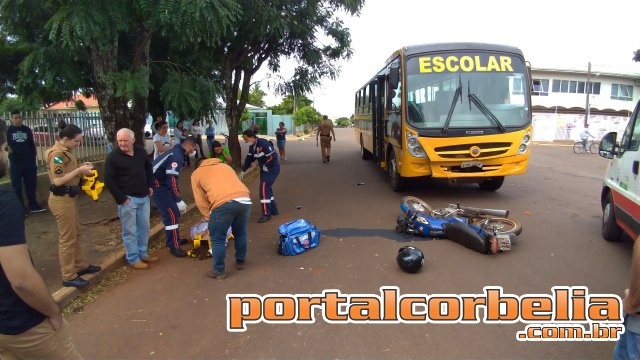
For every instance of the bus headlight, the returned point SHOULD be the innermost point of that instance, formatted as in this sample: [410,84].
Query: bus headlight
[414,147]
[525,143]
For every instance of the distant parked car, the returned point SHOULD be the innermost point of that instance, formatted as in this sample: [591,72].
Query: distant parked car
[42,135]
[94,134]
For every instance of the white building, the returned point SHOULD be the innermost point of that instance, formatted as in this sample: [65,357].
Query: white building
[559,101]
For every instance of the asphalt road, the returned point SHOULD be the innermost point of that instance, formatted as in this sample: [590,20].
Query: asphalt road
[173,311]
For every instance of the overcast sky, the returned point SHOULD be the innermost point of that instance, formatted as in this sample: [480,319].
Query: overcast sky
[551,33]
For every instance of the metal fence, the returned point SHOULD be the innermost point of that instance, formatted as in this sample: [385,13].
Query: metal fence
[44,125]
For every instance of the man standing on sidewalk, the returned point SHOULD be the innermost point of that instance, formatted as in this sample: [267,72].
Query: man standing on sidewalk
[32,325]
[23,161]
[225,202]
[127,175]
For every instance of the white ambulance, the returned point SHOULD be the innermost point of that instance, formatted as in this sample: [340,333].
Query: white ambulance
[620,196]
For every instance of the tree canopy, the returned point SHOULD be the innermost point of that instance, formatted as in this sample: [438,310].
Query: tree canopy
[343,122]
[271,30]
[287,107]
[306,115]
[104,48]
[140,56]
[256,96]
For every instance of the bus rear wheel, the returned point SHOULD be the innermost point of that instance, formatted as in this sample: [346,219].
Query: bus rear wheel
[395,180]
[492,184]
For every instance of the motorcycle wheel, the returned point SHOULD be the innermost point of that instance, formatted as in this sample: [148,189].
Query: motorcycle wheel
[502,225]
[416,204]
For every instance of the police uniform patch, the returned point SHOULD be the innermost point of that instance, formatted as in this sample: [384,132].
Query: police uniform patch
[174,164]
[57,160]
[58,170]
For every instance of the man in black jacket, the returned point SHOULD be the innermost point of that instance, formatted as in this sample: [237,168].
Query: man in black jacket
[23,161]
[127,175]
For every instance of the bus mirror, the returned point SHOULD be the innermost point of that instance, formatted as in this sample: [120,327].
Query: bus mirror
[394,77]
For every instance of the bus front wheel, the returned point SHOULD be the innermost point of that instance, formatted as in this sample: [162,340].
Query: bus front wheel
[396,181]
[492,184]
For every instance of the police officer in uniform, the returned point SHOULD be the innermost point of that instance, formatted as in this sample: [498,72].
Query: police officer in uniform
[64,174]
[262,150]
[324,131]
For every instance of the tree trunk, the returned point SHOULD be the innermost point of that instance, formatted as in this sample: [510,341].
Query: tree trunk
[233,123]
[236,88]
[113,110]
[138,112]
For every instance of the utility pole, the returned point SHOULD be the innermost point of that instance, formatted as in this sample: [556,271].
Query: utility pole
[587,90]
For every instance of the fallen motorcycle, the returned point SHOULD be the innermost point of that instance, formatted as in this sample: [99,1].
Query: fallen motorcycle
[488,231]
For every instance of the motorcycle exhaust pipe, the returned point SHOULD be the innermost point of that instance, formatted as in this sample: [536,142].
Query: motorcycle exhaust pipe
[492,212]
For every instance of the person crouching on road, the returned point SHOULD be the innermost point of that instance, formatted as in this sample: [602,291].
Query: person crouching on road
[224,201]
[166,194]
[262,150]
[127,175]
[64,174]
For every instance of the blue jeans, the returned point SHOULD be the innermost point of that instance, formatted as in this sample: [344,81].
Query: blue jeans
[236,215]
[134,218]
[628,347]
[210,145]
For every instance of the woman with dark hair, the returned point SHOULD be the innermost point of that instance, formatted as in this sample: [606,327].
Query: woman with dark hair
[161,140]
[220,152]
[281,140]
[64,174]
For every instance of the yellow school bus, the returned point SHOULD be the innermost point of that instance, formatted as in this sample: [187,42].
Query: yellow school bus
[457,111]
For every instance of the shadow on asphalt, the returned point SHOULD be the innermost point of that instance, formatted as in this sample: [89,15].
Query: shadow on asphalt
[380,233]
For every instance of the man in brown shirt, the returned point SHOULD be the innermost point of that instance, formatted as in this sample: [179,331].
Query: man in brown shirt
[325,132]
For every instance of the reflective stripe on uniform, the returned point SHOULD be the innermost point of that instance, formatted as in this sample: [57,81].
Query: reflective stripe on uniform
[171,227]
[259,155]
[160,162]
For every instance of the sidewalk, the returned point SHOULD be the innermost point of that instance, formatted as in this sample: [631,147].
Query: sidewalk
[100,237]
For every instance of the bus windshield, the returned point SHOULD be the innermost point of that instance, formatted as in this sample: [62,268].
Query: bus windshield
[466,90]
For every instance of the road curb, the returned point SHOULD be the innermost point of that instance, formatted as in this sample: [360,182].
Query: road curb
[112,261]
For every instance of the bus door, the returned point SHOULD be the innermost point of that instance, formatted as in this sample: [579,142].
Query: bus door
[376,91]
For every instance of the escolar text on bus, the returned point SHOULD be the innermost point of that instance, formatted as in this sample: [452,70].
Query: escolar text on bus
[465,63]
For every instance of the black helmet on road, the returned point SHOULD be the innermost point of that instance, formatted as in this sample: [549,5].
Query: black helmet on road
[410,259]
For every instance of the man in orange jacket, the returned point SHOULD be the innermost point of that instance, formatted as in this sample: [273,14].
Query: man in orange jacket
[224,201]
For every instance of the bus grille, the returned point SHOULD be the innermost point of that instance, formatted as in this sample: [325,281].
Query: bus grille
[460,152]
